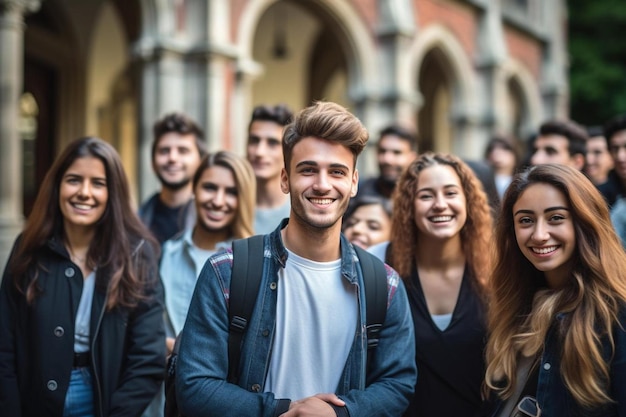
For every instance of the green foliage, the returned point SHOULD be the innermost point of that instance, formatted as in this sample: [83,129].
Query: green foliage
[597,59]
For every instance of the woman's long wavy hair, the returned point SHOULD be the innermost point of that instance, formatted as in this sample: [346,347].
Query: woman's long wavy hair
[522,308]
[475,234]
[114,250]
[245,182]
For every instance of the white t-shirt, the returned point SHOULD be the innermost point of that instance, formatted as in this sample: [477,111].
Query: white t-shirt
[316,321]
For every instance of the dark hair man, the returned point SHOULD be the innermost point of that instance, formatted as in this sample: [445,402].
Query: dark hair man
[265,154]
[396,149]
[304,350]
[560,142]
[177,149]
[615,135]
[598,160]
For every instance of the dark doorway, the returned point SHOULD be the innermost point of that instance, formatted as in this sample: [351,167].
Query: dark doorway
[41,82]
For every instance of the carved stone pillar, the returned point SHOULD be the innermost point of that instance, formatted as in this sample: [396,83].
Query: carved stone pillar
[11,78]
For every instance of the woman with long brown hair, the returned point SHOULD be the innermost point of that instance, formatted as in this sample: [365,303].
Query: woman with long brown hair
[440,237]
[557,316]
[81,303]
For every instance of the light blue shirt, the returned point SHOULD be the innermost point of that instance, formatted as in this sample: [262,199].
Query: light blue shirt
[618,218]
[379,250]
[83,315]
[181,263]
[267,219]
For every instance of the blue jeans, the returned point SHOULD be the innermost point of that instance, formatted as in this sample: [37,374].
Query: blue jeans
[79,397]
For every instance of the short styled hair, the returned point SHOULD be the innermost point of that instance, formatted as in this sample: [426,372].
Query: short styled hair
[403,132]
[328,121]
[616,124]
[575,134]
[181,124]
[279,114]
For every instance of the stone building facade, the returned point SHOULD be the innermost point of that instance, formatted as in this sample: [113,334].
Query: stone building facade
[458,70]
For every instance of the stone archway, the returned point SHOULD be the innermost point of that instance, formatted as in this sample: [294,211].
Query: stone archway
[347,77]
[434,118]
[522,87]
[451,103]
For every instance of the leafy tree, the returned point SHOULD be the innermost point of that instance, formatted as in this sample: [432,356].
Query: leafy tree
[597,60]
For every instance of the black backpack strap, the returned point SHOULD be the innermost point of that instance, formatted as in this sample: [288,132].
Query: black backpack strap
[244,287]
[376,293]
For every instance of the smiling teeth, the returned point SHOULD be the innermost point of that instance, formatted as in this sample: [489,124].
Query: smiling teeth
[82,206]
[543,251]
[442,219]
[321,200]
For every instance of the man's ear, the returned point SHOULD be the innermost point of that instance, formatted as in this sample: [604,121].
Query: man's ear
[284,181]
[355,182]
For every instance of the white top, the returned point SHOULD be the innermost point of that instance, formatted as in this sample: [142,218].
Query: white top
[316,321]
[82,324]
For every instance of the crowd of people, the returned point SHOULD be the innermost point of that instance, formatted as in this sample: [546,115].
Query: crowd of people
[503,294]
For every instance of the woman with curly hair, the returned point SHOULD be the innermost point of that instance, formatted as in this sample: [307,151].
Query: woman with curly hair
[81,313]
[440,236]
[557,316]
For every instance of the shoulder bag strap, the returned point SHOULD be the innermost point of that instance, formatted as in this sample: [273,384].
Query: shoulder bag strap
[244,287]
[376,294]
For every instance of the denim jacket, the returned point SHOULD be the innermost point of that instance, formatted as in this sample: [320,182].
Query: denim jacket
[202,365]
[552,394]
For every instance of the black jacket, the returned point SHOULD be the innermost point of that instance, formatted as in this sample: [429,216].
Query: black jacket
[612,189]
[37,342]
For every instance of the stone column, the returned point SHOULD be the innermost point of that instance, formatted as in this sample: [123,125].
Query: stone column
[183,67]
[395,31]
[555,89]
[491,55]
[162,90]
[11,78]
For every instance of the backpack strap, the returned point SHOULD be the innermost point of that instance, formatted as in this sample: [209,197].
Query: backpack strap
[244,287]
[376,293]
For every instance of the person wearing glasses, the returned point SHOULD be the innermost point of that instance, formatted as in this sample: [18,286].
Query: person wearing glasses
[557,317]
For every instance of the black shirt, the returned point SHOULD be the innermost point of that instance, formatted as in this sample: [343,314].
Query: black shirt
[167,221]
[450,363]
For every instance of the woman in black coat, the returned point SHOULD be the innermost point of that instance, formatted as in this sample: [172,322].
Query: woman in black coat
[81,304]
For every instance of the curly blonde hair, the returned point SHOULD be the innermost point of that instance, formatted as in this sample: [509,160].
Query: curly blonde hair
[475,234]
[522,309]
